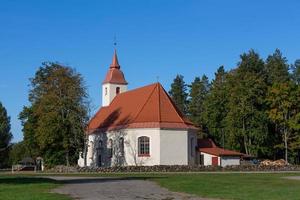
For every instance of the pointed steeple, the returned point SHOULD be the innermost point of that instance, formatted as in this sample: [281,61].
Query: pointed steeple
[114,74]
[115,62]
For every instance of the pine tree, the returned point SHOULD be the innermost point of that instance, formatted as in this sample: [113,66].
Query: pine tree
[277,68]
[216,107]
[296,72]
[178,93]
[246,121]
[198,93]
[5,136]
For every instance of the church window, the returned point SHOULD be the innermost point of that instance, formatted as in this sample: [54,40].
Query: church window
[110,148]
[106,91]
[121,146]
[143,146]
[117,90]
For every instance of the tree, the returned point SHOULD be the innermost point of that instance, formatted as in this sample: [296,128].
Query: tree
[17,153]
[246,121]
[178,93]
[56,118]
[5,136]
[198,92]
[277,69]
[296,72]
[216,107]
[29,123]
[283,100]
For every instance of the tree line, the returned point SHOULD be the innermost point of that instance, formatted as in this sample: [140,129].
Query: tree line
[253,108]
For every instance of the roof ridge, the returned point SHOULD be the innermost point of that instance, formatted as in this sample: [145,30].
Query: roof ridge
[159,108]
[139,112]
[174,107]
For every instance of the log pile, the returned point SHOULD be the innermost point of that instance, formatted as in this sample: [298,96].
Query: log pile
[279,162]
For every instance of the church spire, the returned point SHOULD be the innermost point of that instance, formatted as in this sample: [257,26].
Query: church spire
[115,62]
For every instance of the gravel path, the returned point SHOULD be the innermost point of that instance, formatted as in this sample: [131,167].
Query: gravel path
[92,188]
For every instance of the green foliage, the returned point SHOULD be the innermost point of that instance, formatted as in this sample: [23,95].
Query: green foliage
[5,136]
[216,107]
[178,93]
[54,123]
[277,68]
[17,153]
[253,108]
[283,100]
[198,93]
[246,121]
[296,72]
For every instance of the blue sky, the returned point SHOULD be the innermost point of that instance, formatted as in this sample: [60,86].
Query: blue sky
[155,38]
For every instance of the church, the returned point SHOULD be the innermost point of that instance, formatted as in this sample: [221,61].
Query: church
[139,127]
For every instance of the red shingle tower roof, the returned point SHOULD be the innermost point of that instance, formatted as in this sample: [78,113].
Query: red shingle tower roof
[115,62]
[146,107]
[114,74]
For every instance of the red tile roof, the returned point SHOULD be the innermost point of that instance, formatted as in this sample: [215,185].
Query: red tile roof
[114,74]
[145,107]
[217,151]
[208,146]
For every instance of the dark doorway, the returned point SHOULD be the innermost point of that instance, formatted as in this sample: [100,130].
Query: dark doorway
[214,161]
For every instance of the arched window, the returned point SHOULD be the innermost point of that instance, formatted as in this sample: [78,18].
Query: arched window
[100,144]
[143,146]
[121,143]
[110,148]
[117,90]
[105,90]
[99,153]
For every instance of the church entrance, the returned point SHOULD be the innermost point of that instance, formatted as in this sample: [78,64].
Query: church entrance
[99,160]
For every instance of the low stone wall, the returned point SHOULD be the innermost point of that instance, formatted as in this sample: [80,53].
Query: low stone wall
[173,168]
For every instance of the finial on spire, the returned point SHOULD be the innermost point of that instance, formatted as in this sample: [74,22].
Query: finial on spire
[115,41]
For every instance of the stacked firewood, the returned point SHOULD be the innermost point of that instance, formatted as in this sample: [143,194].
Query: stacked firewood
[279,162]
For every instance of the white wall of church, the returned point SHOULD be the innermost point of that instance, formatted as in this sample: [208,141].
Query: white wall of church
[90,157]
[131,146]
[167,147]
[176,147]
[109,92]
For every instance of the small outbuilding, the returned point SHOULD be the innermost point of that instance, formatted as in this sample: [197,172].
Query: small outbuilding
[211,154]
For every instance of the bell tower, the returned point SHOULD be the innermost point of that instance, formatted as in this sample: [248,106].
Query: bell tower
[114,82]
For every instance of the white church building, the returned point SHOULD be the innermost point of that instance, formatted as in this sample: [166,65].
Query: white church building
[137,127]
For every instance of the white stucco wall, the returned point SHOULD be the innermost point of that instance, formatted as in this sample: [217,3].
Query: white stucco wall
[230,160]
[108,96]
[174,147]
[222,161]
[208,159]
[167,147]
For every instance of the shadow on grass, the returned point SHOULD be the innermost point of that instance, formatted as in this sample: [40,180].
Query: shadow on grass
[83,180]
[70,180]
[25,180]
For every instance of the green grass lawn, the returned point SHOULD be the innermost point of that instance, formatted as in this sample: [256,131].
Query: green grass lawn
[241,186]
[27,188]
[235,186]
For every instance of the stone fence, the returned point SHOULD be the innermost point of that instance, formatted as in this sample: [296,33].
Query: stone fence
[172,168]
